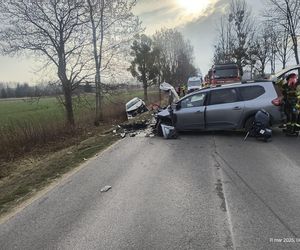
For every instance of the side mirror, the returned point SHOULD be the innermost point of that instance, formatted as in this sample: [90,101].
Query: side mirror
[178,106]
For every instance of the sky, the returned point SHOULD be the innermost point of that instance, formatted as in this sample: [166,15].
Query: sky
[196,19]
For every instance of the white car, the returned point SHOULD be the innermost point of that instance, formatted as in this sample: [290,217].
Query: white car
[135,106]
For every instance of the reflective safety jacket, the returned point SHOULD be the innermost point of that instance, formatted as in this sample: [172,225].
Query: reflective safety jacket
[291,94]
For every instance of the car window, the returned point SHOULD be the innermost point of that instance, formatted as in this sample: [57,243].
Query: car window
[251,92]
[196,100]
[222,96]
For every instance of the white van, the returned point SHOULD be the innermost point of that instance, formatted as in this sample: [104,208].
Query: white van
[194,83]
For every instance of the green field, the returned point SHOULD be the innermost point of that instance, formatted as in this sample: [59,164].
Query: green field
[50,109]
[12,111]
[29,123]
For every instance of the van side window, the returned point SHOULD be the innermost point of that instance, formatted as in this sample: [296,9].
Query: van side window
[223,96]
[251,92]
[196,100]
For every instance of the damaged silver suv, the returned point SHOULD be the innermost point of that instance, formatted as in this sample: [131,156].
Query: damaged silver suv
[228,107]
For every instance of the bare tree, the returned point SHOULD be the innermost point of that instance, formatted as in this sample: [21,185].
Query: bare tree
[262,50]
[240,17]
[52,29]
[224,46]
[175,61]
[286,13]
[283,47]
[112,25]
[236,33]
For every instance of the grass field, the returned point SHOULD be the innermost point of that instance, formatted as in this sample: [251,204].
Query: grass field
[49,108]
[25,123]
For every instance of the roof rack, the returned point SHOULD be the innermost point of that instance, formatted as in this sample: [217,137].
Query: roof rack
[256,80]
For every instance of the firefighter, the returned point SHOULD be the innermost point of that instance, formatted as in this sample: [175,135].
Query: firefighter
[291,97]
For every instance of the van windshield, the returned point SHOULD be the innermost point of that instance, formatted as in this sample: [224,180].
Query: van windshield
[194,83]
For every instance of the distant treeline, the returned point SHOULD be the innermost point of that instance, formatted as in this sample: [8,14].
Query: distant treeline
[20,90]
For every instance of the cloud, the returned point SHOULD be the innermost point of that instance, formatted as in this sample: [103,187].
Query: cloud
[168,14]
[200,29]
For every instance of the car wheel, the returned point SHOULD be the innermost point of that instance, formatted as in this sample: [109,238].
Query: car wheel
[249,123]
[159,129]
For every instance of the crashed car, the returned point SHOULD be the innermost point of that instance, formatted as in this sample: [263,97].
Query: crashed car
[228,107]
[284,72]
[134,107]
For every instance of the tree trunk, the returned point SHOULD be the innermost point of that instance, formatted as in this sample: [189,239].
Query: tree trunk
[145,92]
[97,58]
[67,88]
[99,113]
[69,106]
[296,53]
[283,63]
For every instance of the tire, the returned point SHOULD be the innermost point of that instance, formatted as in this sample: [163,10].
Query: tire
[159,129]
[248,124]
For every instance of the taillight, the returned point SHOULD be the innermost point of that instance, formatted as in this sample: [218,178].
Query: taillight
[277,101]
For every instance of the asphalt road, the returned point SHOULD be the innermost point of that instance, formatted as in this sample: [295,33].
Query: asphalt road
[201,191]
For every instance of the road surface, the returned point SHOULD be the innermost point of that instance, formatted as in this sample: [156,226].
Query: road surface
[201,191]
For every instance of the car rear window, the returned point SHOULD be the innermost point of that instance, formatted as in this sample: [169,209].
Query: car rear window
[223,96]
[251,92]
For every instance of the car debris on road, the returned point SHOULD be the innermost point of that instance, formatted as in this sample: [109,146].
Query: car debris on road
[140,126]
[105,189]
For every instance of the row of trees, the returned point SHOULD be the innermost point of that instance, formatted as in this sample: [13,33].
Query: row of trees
[255,44]
[78,40]
[24,90]
[20,90]
[166,56]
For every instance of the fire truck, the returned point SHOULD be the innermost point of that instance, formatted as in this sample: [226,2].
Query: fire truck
[221,74]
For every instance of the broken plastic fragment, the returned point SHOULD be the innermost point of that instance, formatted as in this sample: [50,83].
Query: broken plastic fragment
[169,132]
[105,189]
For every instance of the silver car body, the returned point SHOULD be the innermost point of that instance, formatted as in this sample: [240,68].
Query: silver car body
[206,110]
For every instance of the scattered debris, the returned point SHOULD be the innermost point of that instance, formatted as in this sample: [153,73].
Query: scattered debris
[105,189]
[85,159]
[140,126]
[169,132]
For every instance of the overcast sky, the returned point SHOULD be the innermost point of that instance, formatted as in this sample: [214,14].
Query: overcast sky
[196,19]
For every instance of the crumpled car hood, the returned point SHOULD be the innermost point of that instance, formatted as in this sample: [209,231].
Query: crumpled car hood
[164,113]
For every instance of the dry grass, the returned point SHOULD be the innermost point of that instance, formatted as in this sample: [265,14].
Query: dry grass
[30,174]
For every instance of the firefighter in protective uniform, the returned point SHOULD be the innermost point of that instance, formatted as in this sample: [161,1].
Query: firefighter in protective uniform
[291,98]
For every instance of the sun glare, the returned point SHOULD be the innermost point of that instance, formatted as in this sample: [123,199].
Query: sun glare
[193,6]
